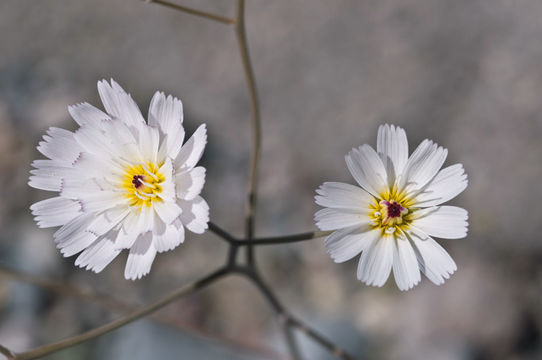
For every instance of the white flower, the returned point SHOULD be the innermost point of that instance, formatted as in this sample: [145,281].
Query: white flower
[123,183]
[391,219]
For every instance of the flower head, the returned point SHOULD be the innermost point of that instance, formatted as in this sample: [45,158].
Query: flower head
[393,216]
[122,182]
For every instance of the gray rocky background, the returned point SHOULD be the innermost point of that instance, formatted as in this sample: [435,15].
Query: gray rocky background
[466,73]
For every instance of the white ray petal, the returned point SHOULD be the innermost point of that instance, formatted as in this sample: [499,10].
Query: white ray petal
[188,184]
[447,222]
[98,255]
[422,166]
[140,258]
[55,211]
[392,146]
[344,244]
[192,150]
[448,183]
[367,168]
[195,215]
[108,220]
[166,114]
[98,201]
[167,237]
[60,145]
[86,114]
[149,142]
[119,104]
[167,211]
[433,260]
[343,196]
[333,219]
[376,260]
[405,264]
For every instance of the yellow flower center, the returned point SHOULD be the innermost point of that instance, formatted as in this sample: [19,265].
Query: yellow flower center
[390,212]
[142,184]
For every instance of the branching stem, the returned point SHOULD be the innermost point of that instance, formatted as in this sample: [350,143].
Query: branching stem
[286,321]
[275,240]
[240,31]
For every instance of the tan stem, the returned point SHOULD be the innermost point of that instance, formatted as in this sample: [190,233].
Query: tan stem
[115,324]
[191,11]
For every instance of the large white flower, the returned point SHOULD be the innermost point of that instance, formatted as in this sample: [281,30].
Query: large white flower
[123,183]
[391,219]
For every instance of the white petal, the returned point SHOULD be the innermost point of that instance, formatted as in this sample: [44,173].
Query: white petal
[392,146]
[166,114]
[376,261]
[86,114]
[108,220]
[433,260]
[77,243]
[136,223]
[122,140]
[98,255]
[168,186]
[195,215]
[167,211]
[332,219]
[422,166]
[93,141]
[405,264]
[76,225]
[60,145]
[343,196]
[149,142]
[140,258]
[120,104]
[344,244]
[167,237]
[448,183]
[97,201]
[192,150]
[91,166]
[74,237]
[189,184]
[45,182]
[55,211]
[447,222]
[73,187]
[366,167]
[49,174]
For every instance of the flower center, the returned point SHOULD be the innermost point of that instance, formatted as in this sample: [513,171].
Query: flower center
[142,184]
[389,215]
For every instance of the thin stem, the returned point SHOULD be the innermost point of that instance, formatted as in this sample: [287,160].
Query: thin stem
[288,320]
[10,355]
[275,304]
[223,234]
[240,31]
[66,343]
[113,304]
[290,342]
[290,238]
[66,289]
[191,11]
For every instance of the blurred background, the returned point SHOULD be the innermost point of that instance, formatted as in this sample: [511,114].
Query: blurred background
[465,73]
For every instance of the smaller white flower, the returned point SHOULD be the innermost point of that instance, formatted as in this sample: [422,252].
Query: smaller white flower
[393,216]
[122,183]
